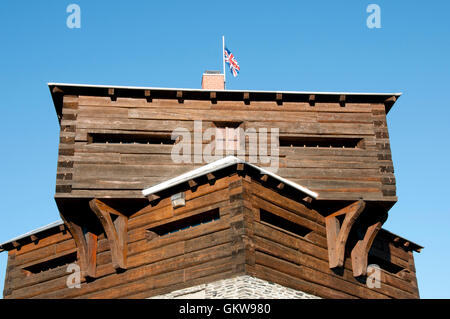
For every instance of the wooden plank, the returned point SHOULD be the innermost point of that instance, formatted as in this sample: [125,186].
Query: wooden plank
[315,268]
[274,275]
[270,196]
[111,170]
[289,215]
[44,242]
[192,207]
[133,124]
[308,249]
[221,115]
[206,104]
[313,276]
[317,128]
[54,289]
[204,273]
[327,162]
[44,252]
[124,148]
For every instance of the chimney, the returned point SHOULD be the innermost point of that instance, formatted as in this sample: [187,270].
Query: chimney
[213,80]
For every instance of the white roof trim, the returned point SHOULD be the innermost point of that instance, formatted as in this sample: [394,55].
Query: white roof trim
[38,230]
[214,166]
[186,89]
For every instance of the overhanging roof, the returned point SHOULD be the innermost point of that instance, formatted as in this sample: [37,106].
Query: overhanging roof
[54,225]
[59,89]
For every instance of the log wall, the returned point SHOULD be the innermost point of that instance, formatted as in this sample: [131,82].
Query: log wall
[88,169]
[240,242]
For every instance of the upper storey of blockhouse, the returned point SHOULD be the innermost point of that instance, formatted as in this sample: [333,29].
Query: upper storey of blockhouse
[117,140]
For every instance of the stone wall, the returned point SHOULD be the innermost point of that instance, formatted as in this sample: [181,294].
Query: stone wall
[242,287]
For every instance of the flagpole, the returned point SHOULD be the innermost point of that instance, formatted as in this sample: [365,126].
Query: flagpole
[223,61]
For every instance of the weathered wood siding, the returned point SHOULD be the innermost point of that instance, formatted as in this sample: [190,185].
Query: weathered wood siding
[302,262]
[101,170]
[237,243]
[155,266]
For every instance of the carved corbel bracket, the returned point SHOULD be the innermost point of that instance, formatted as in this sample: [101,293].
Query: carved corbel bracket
[337,234]
[87,248]
[115,225]
[361,250]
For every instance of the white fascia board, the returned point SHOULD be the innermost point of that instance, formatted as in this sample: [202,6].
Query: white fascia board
[217,165]
[208,168]
[286,181]
[239,91]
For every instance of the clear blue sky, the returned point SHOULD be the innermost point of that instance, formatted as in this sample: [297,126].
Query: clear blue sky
[280,45]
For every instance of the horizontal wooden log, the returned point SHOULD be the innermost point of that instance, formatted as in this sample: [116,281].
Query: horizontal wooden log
[309,249]
[167,263]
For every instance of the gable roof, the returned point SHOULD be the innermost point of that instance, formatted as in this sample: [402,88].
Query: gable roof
[219,165]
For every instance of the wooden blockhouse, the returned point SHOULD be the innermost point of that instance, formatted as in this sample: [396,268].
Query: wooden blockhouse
[140,225]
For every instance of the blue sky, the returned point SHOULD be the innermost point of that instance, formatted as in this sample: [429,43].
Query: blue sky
[280,45]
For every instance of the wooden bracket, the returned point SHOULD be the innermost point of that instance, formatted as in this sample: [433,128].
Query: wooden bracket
[57,90]
[279,98]
[240,169]
[391,100]
[192,183]
[360,252]
[86,243]
[115,225]
[62,229]
[308,199]
[342,99]
[312,99]
[211,178]
[153,197]
[34,239]
[246,98]
[213,97]
[388,103]
[112,94]
[180,97]
[148,96]
[337,234]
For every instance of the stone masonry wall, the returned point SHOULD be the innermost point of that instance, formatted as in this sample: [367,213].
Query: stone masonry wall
[241,287]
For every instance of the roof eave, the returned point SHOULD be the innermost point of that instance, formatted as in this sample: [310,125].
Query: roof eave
[30,233]
[57,90]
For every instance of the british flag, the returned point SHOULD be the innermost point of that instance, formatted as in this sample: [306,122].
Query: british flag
[231,60]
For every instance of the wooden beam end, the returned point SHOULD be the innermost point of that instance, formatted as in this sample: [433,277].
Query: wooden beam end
[192,183]
[152,197]
[342,100]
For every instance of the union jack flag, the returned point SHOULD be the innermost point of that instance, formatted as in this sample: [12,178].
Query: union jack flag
[231,60]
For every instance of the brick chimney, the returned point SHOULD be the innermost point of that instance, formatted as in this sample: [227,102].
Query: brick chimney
[213,80]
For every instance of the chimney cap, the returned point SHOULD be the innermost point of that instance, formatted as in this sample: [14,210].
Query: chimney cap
[212,72]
